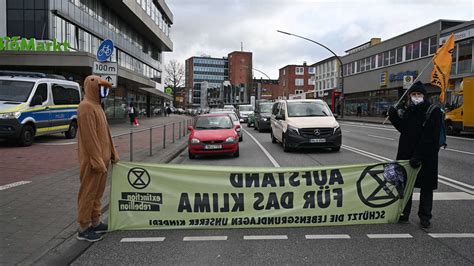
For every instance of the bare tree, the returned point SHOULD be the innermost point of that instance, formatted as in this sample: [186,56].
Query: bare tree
[174,76]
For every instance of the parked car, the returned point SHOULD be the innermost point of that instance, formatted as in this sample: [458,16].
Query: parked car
[213,134]
[243,112]
[33,106]
[304,124]
[234,118]
[262,116]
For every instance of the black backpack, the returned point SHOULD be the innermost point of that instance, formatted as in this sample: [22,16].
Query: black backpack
[442,131]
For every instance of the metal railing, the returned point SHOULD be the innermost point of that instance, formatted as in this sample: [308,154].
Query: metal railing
[137,138]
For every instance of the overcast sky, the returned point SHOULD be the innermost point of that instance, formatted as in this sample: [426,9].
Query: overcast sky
[217,27]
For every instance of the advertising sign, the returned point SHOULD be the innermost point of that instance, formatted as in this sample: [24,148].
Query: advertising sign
[163,196]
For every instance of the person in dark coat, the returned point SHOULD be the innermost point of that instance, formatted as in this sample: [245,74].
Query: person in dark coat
[419,143]
[132,113]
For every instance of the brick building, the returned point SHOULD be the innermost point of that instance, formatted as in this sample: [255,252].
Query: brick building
[296,79]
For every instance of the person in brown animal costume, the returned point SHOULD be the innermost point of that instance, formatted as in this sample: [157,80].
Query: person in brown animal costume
[96,151]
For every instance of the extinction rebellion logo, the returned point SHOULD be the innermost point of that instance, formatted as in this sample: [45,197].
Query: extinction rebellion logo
[139,178]
[389,186]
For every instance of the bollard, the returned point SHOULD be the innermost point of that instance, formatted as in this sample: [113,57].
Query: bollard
[151,143]
[131,145]
[173,132]
[179,131]
[164,136]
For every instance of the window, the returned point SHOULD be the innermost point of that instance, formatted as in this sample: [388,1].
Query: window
[416,50]
[299,91]
[359,66]
[424,47]
[64,95]
[399,54]
[373,62]
[409,52]
[386,58]
[392,57]
[379,60]
[42,90]
[433,45]
[299,70]
[464,56]
[311,81]
[312,70]
[299,82]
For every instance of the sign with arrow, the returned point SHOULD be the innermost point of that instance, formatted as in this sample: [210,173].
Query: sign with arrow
[107,71]
[111,79]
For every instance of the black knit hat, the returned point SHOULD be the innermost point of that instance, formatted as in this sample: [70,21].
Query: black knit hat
[417,87]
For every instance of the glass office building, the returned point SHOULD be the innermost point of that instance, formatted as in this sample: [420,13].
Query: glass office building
[140,30]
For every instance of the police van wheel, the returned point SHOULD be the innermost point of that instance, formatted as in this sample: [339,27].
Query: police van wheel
[27,136]
[72,132]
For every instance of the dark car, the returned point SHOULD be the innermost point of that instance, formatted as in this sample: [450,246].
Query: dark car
[263,112]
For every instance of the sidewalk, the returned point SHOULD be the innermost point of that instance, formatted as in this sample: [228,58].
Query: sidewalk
[38,220]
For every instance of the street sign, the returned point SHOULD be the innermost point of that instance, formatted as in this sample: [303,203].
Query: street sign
[106,48]
[407,81]
[169,90]
[111,79]
[105,68]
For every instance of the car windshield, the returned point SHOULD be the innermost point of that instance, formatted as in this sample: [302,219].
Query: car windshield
[266,107]
[302,109]
[214,122]
[233,116]
[245,108]
[15,91]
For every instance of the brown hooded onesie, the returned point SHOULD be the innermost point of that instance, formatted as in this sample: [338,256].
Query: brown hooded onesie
[96,150]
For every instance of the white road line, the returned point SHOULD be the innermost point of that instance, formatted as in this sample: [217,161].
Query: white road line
[447,196]
[267,237]
[379,236]
[451,235]
[56,144]
[442,179]
[381,128]
[375,136]
[465,152]
[327,236]
[205,238]
[19,183]
[274,162]
[142,239]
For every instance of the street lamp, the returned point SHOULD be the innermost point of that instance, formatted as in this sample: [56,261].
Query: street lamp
[338,59]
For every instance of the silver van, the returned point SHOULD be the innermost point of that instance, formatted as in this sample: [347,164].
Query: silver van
[34,106]
[304,124]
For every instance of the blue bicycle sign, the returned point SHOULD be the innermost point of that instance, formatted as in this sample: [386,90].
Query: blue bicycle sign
[105,50]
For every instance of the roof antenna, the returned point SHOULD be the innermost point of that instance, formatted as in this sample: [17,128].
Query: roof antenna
[241,46]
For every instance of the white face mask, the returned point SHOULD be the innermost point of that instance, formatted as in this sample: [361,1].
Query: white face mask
[417,99]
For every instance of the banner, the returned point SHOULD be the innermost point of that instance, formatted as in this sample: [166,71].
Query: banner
[442,66]
[163,196]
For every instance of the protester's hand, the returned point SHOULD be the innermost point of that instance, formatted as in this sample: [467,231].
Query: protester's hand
[392,111]
[415,163]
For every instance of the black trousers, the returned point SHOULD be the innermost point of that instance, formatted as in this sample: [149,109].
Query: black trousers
[425,207]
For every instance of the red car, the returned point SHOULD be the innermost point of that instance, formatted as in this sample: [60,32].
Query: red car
[213,134]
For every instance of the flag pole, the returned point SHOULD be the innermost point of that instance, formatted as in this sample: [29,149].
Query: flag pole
[406,91]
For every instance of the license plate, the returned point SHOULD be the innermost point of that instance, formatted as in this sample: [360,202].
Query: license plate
[317,140]
[213,147]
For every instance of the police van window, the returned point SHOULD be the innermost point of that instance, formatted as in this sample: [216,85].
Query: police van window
[42,90]
[64,95]
[15,91]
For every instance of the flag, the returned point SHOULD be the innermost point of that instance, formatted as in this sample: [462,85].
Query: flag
[442,66]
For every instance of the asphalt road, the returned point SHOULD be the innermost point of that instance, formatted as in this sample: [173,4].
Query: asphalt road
[449,241]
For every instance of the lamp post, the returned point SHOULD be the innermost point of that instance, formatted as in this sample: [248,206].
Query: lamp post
[338,59]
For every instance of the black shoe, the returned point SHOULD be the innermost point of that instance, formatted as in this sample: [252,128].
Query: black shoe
[101,228]
[89,235]
[425,224]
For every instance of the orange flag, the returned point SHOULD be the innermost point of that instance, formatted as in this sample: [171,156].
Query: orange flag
[442,66]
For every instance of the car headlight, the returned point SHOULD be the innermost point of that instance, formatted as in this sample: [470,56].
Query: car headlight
[293,129]
[195,141]
[230,139]
[337,130]
[10,115]
[265,119]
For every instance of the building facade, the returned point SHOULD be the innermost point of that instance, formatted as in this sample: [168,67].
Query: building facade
[376,75]
[266,89]
[139,29]
[296,79]
[327,80]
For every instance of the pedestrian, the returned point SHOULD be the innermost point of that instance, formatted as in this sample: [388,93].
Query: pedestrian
[359,110]
[419,143]
[168,110]
[96,151]
[132,114]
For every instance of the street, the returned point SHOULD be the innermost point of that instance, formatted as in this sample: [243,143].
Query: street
[449,241]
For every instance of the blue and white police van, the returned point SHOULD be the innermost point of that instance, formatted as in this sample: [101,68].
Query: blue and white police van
[37,104]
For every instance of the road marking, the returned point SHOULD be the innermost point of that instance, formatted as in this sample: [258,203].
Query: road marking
[204,238]
[379,236]
[447,196]
[375,136]
[465,152]
[449,235]
[442,179]
[19,183]
[274,162]
[267,237]
[142,239]
[327,236]
[56,144]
